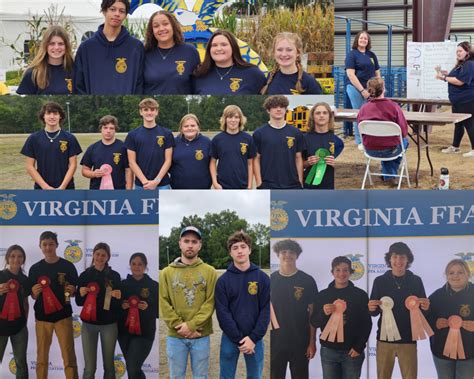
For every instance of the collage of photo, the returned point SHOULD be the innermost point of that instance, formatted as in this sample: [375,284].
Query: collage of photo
[237,189]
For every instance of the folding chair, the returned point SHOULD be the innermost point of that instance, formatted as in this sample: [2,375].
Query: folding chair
[384,129]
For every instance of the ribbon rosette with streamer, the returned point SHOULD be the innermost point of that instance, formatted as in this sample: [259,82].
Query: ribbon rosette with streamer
[389,330]
[335,325]
[11,307]
[453,347]
[89,310]
[316,174]
[51,303]
[419,325]
[133,317]
[106,182]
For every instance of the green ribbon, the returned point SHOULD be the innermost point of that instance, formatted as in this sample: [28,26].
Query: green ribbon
[316,174]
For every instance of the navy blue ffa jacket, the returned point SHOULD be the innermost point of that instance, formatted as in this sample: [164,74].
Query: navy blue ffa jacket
[283,84]
[364,64]
[102,67]
[60,82]
[242,301]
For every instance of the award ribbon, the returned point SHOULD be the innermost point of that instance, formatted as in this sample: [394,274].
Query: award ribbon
[419,325]
[89,309]
[335,325]
[11,307]
[273,318]
[51,303]
[133,317]
[106,182]
[453,347]
[389,330]
[316,174]
[108,297]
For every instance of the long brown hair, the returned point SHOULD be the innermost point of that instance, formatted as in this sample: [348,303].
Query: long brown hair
[208,62]
[150,40]
[355,44]
[13,248]
[39,65]
[467,47]
[311,124]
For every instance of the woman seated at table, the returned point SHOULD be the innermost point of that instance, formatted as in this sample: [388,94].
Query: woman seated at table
[381,109]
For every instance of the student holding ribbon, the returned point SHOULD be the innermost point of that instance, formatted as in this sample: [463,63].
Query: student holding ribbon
[99,296]
[341,313]
[451,316]
[396,328]
[14,291]
[53,281]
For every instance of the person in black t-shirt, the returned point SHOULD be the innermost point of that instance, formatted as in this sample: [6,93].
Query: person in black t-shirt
[293,292]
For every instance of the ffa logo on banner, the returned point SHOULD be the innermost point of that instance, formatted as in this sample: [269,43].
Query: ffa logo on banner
[243,148]
[465,310]
[69,85]
[76,326]
[278,216]
[331,148]
[8,208]
[73,252]
[253,288]
[290,142]
[357,266]
[160,140]
[199,155]
[467,257]
[121,65]
[144,293]
[298,292]
[117,158]
[180,67]
[235,84]
[119,365]
[12,366]
[63,146]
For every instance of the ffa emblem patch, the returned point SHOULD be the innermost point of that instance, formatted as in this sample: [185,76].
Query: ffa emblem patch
[243,148]
[253,288]
[235,84]
[144,293]
[180,67]
[8,208]
[199,155]
[160,140]
[63,146]
[278,216]
[69,85]
[62,278]
[465,310]
[372,60]
[121,65]
[294,91]
[290,142]
[117,158]
[331,148]
[298,292]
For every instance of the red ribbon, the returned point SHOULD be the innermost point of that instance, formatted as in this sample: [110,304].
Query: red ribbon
[11,307]
[51,303]
[89,310]
[133,317]
[419,325]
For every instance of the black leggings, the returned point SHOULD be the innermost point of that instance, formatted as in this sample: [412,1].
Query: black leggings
[466,124]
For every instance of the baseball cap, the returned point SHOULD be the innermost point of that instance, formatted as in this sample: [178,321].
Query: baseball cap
[190,229]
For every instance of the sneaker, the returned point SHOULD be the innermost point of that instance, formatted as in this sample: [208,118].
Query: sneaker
[360,147]
[469,154]
[451,150]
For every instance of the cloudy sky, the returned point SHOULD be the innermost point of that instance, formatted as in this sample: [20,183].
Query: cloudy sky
[253,206]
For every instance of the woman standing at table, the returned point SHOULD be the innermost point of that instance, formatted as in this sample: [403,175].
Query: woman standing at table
[461,94]
[140,297]
[361,65]
[455,298]
[169,61]
[14,289]
[191,156]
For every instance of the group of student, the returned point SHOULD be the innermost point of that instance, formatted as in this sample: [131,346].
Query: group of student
[276,156]
[112,62]
[344,310]
[112,310]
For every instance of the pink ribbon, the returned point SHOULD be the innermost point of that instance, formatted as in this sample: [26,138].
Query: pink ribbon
[106,182]
[453,347]
[335,325]
[419,325]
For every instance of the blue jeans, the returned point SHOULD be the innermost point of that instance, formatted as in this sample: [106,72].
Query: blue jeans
[337,364]
[178,350]
[357,100]
[135,349]
[108,338]
[389,167]
[230,355]
[454,369]
[19,343]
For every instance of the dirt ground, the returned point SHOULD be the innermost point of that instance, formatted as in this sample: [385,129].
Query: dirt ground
[350,165]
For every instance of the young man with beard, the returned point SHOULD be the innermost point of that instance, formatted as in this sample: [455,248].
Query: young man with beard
[186,305]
